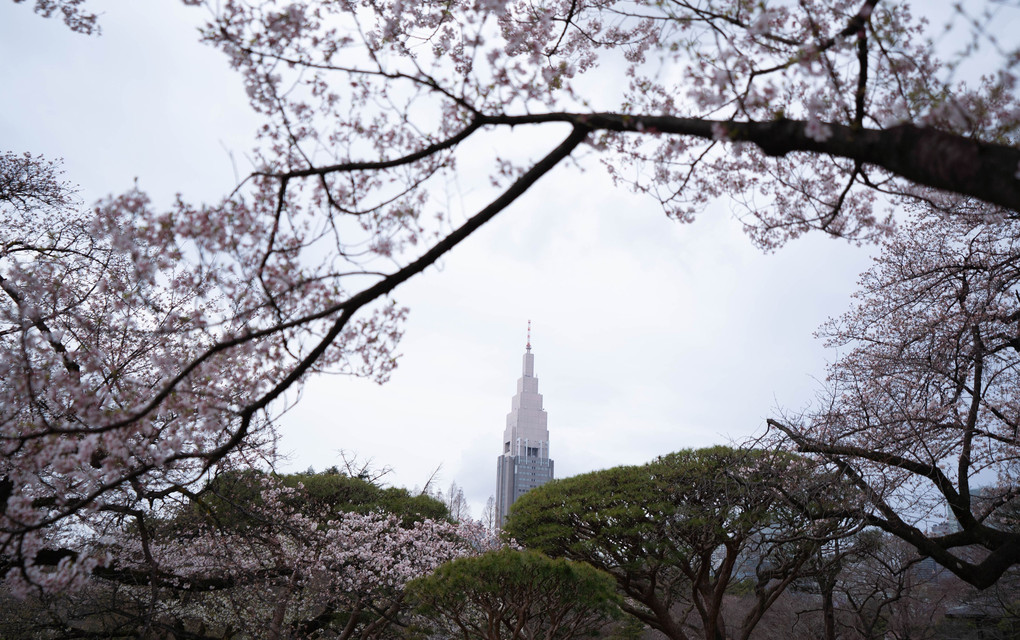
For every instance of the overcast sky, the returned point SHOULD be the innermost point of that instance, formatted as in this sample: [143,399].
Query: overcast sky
[649,336]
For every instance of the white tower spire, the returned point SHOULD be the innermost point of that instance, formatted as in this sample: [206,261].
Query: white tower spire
[524,463]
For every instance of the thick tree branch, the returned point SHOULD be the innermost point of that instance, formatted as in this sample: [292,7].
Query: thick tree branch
[924,155]
[1003,547]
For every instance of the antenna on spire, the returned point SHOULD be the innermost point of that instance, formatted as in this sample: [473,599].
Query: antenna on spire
[529,336]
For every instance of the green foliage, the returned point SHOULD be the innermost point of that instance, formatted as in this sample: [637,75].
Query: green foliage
[334,492]
[675,532]
[620,510]
[679,505]
[226,502]
[515,595]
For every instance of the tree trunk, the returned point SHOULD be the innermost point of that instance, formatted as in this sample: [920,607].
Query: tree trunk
[828,611]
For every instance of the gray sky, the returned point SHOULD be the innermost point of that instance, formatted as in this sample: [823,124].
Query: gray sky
[649,336]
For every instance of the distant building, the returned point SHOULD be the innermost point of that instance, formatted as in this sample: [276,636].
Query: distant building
[524,463]
[990,504]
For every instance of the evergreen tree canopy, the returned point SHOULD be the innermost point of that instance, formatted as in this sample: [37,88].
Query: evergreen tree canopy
[516,595]
[678,532]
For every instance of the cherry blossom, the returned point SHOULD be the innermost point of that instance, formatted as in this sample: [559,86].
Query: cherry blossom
[72,12]
[277,566]
[145,348]
[922,409]
[141,349]
[856,85]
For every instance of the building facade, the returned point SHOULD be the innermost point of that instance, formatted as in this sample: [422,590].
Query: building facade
[525,462]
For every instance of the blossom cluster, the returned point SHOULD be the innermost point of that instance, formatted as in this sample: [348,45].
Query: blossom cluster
[140,348]
[930,371]
[446,68]
[294,562]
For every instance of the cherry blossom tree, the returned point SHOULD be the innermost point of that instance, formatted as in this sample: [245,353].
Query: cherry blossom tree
[140,351]
[144,348]
[254,557]
[923,408]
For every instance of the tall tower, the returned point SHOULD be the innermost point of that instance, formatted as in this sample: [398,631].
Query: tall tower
[524,463]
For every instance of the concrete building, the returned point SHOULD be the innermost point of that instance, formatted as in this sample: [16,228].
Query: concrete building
[524,463]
